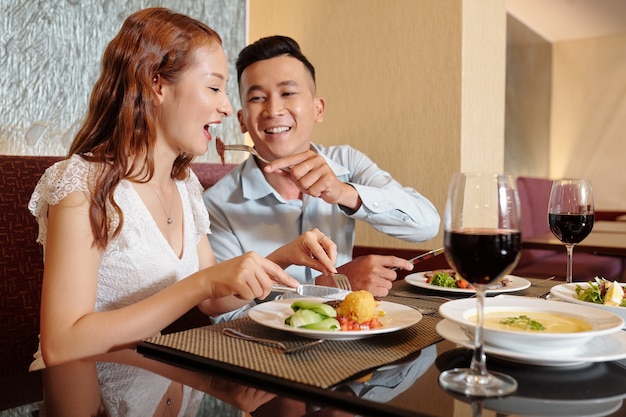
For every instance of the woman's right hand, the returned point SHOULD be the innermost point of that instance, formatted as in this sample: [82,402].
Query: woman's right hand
[247,277]
[312,249]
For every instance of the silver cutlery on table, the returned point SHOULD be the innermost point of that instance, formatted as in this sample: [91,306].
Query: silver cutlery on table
[239,335]
[546,294]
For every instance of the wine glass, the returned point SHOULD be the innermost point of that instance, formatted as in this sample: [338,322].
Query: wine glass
[570,214]
[482,241]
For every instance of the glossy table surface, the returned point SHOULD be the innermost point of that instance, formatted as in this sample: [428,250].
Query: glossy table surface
[133,384]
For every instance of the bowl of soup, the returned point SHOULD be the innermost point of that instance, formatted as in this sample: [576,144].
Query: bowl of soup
[532,325]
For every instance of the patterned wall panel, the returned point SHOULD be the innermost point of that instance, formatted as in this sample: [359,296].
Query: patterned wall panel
[50,53]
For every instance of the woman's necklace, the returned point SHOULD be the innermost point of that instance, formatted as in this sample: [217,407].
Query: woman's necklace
[167,213]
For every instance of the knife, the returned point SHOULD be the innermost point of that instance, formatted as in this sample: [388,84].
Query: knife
[424,256]
[310,290]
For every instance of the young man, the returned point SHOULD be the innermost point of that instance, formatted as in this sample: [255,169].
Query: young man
[262,206]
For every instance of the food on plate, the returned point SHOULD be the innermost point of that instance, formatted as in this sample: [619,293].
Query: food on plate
[447,278]
[358,311]
[602,291]
[450,279]
[614,295]
[313,316]
[534,321]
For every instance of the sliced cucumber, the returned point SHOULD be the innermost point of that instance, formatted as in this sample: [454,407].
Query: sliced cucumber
[303,317]
[329,324]
[320,308]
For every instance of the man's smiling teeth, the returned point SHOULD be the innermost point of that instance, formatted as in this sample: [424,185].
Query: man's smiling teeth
[275,130]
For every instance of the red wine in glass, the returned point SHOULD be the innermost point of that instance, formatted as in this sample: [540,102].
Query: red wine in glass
[481,256]
[570,215]
[482,243]
[571,228]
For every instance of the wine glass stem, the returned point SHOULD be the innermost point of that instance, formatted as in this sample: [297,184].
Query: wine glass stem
[479,361]
[477,408]
[570,252]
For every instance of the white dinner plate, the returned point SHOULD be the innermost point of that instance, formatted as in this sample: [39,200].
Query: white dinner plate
[463,312]
[419,280]
[599,349]
[273,314]
[567,292]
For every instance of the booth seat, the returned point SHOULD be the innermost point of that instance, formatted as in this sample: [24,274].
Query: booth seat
[21,258]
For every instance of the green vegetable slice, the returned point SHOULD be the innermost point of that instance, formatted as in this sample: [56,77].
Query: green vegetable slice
[593,293]
[320,308]
[304,317]
[329,324]
[523,322]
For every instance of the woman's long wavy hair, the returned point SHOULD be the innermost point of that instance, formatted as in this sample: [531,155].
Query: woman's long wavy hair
[119,132]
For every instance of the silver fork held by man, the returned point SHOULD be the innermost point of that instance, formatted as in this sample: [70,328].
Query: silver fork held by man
[246,148]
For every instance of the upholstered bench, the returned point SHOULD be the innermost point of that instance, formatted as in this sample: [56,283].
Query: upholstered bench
[21,257]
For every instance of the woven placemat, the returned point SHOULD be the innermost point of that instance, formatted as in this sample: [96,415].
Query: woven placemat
[323,366]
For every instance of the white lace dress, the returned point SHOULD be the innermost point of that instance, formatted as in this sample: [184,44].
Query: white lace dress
[139,261]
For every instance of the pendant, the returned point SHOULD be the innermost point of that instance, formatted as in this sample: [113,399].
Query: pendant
[169,220]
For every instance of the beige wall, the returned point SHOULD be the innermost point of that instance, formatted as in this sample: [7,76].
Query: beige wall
[566,110]
[588,129]
[416,84]
[528,101]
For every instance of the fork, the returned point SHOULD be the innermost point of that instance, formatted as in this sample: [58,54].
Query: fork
[342,281]
[287,350]
[546,295]
[246,148]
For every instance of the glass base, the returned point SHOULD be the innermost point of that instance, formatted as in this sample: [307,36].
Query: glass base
[464,381]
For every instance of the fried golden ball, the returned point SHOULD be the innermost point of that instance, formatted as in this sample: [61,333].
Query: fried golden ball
[359,306]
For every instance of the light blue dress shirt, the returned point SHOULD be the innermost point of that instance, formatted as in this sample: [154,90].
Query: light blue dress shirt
[247,214]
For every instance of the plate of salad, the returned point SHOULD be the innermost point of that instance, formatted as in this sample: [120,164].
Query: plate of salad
[600,293]
[447,280]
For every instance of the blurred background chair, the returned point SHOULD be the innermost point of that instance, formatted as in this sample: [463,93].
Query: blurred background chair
[21,261]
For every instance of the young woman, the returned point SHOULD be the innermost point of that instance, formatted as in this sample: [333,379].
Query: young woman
[122,220]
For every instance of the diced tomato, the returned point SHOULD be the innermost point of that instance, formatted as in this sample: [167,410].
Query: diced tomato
[462,283]
[350,325]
